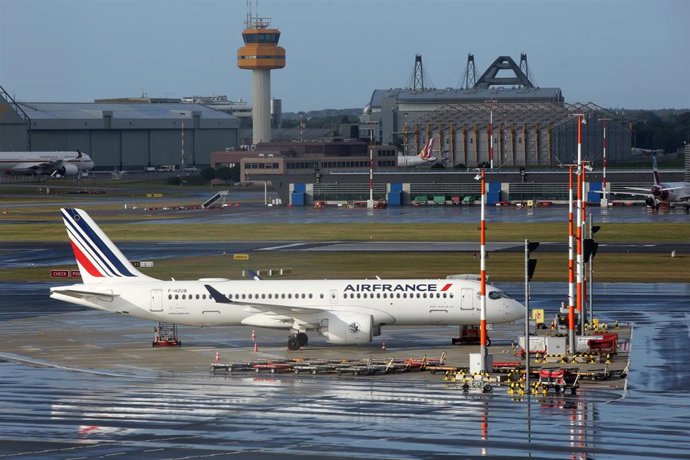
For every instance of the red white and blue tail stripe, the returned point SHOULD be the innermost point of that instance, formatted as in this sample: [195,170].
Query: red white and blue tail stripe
[98,258]
[427,152]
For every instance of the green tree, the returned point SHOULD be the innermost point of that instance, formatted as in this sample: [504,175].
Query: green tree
[223,173]
[208,173]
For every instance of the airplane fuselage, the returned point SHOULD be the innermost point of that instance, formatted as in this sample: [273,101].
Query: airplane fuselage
[65,163]
[399,302]
[671,192]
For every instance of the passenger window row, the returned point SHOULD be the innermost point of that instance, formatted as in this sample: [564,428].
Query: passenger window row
[245,296]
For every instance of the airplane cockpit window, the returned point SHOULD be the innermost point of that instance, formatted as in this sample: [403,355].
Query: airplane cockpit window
[495,295]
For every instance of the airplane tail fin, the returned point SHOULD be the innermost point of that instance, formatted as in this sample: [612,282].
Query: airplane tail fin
[655,171]
[427,152]
[99,260]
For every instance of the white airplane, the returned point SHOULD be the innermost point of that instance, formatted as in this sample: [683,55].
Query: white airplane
[639,151]
[662,192]
[344,311]
[424,158]
[58,164]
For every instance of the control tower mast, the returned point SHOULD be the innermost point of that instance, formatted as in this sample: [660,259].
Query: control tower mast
[260,54]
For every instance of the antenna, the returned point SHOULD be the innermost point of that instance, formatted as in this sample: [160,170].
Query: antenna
[470,72]
[418,82]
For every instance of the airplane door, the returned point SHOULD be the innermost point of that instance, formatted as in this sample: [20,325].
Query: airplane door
[156,300]
[334,297]
[466,299]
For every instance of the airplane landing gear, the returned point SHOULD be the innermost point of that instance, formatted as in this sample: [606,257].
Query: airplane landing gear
[297,341]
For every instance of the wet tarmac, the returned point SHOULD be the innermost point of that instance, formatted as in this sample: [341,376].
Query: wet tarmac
[254,213]
[61,409]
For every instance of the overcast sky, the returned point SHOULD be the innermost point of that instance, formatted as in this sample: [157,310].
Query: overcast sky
[616,53]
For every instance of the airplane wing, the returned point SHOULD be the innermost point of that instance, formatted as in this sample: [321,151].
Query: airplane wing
[261,307]
[283,313]
[43,167]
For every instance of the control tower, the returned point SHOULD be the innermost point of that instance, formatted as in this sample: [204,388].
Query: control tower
[260,54]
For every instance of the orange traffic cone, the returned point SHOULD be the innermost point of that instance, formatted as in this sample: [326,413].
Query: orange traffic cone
[253,335]
[256,347]
[217,356]
[383,346]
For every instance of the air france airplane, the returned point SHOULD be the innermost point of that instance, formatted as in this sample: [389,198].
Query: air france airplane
[344,311]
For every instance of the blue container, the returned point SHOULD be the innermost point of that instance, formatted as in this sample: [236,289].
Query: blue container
[298,198]
[593,196]
[395,198]
[396,187]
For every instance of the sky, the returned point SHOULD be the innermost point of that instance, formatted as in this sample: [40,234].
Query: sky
[632,54]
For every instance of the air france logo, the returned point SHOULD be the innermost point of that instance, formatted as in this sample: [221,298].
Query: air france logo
[354,328]
[388,287]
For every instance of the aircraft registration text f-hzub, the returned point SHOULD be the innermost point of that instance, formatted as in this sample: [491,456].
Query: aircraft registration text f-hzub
[344,311]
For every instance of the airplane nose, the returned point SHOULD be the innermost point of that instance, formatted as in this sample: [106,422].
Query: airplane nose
[516,310]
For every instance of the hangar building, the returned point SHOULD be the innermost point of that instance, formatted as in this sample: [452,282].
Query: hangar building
[119,135]
[531,126]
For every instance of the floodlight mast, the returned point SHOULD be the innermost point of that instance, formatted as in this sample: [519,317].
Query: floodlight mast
[482,277]
[370,203]
[571,267]
[491,133]
[578,234]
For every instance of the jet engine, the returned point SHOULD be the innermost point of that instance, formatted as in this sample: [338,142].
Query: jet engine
[348,328]
[67,170]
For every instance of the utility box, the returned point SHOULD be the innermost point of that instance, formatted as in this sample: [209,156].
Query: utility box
[537,344]
[476,362]
[555,345]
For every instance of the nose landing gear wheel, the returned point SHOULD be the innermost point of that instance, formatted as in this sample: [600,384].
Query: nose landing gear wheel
[302,338]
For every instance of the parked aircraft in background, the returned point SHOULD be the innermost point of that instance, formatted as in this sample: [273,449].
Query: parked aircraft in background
[69,163]
[425,157]
[344,311]
[662,192]
[639,151]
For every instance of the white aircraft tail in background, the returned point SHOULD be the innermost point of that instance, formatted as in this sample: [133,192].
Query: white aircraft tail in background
[662,192]
[70,163]
[425,157]
[343,311]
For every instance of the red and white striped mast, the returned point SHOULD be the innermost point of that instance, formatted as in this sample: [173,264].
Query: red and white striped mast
[578,236]
[571,265]
[482,278]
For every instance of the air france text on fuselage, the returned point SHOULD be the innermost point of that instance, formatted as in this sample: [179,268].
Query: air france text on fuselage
[390,287]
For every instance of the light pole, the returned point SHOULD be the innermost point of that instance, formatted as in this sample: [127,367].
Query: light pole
[370,201]
[182,144]
[604,203]
[482,276]
[530,266]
